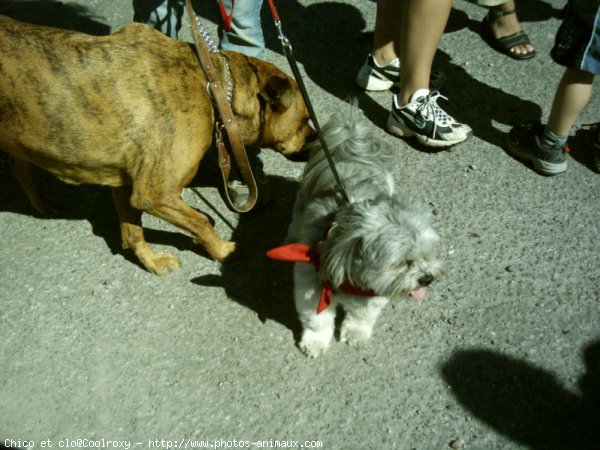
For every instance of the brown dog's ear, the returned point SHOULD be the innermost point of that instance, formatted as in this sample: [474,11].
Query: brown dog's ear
[277,93]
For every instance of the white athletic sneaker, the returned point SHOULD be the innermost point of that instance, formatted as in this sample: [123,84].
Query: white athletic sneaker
[425,120]
[373,77]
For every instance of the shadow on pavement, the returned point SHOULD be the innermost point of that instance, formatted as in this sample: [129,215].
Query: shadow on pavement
[250,278]
[479,105]
[526,403]
[55,14]
[330,41]
[582,148]
[327,38]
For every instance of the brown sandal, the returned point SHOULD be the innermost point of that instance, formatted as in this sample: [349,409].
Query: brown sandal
[506,43]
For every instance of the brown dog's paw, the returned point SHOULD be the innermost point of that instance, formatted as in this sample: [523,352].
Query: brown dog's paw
[224,251]
[161,263]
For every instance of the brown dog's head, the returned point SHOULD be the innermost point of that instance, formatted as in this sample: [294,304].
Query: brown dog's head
[268,106]
[287,127]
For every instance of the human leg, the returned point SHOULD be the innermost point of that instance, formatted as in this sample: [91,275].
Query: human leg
[386,39]
[572,94]
[414,110]
[381,69]
[545,146]
[421,28]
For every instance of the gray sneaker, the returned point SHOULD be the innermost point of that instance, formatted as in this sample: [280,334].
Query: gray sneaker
[523,141]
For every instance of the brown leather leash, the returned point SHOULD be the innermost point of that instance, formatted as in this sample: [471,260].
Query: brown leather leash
[226,120]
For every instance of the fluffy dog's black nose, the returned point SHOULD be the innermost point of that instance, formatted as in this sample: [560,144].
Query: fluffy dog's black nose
[426,279]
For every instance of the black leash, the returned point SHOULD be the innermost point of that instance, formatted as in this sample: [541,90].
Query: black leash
[287,51]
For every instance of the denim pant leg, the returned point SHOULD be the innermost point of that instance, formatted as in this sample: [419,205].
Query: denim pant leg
[246,35]
[163,15]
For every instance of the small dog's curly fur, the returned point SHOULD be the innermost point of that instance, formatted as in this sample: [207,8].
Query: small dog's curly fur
[381,241]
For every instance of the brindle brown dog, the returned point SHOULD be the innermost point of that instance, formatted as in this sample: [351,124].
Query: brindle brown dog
[131,111]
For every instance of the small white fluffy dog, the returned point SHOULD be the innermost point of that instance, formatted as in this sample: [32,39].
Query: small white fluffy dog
[379,246]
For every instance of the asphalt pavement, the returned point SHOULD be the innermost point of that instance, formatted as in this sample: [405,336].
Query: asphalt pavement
[504,353]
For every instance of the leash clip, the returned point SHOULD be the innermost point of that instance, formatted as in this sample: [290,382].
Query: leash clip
[285,42]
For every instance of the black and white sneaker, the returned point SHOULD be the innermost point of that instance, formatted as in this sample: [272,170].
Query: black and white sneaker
[425,120]
[373,77]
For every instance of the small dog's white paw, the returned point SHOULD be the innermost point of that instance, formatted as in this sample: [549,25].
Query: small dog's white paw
[355,335]
[314,344]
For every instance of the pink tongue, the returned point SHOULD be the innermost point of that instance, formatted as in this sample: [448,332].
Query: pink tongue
[419,294]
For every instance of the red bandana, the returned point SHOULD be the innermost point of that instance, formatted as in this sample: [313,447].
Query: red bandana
[303,253]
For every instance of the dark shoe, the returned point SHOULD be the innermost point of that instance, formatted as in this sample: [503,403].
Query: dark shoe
[506,43]
[523,142]
[595,144]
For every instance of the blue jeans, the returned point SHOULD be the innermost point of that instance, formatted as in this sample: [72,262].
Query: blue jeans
[245,37]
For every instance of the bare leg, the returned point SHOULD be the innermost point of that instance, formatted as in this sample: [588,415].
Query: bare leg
[386,41]
[423,22]
[572,94]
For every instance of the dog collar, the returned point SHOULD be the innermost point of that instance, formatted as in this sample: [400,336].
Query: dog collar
[303,253]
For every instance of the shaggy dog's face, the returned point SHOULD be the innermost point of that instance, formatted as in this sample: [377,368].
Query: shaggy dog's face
[386,245]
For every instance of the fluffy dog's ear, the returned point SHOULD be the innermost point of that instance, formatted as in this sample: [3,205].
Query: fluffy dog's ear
[339,253]
[277,93]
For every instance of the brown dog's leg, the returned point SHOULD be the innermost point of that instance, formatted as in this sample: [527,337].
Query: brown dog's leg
[183,216]
[132,235]
[174,210]
[22,171]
